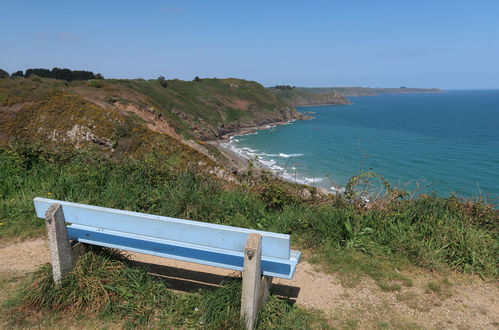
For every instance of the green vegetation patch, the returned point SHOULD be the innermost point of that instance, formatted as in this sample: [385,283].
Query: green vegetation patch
[353,266]
[103,284]
[429,232]
[63,118]
[209,105]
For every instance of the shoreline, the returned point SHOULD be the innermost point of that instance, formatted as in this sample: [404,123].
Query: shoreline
[252,129]
[236,160]
[241,163]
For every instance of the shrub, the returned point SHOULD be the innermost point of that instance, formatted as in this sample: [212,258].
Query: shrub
[4,74]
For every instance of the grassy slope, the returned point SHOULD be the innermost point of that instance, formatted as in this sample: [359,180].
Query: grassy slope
[213,107]
[308,96]
[203,110]
[431,232]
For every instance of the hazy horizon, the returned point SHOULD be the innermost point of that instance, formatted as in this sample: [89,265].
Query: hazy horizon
[427,44]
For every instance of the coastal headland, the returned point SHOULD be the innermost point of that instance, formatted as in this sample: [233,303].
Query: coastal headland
[399,261]
[312,96]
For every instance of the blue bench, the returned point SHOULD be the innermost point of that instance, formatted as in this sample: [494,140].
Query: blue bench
[199,242]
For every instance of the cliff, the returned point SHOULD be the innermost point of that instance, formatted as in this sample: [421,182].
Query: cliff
[300,96]
[367,91]
[103,111]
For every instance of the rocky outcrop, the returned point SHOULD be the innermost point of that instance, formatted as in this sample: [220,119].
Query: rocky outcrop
[81,135]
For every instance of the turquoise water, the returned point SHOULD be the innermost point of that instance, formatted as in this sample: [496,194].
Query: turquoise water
[448,143]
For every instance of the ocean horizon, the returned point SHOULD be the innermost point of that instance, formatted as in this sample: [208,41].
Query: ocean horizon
[446,143]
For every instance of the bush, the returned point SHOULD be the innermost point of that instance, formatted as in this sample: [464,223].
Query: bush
[4,74]
[18,74]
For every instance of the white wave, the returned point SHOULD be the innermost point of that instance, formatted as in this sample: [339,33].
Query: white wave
[313,180]
[269,161]
[283,155]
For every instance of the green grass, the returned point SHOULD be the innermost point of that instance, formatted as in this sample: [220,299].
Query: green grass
[103,285]
[209,103]
[429,232]
[201,110]
[352,266]
[441,288]
[309,96]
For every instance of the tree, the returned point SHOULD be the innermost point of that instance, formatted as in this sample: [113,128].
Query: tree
[17,74]
[62,74]
[83,75]
[283,87]
[197,79]
[162,81]
[99,76]
[4,74]
[44,73]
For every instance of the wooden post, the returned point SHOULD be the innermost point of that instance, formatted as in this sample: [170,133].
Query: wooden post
[60,248]
[255,286]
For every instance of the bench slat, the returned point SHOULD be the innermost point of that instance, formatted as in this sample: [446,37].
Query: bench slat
[208,235]
[275,267]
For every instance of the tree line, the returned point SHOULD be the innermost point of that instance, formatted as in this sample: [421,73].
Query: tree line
[55,73]
[284,87]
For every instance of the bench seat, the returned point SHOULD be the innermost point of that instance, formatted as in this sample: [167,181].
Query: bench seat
[186,240]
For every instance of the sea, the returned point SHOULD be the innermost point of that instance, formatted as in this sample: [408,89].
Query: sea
[443,144]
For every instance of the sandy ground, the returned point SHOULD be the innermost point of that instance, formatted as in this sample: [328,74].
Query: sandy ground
[470,303]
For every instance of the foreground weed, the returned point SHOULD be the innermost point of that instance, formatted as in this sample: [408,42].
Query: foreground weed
[442,288]
[99,285]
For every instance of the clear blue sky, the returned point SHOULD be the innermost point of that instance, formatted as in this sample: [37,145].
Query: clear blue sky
[447,44]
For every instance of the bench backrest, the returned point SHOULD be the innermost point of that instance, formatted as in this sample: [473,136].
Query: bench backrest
[215,236]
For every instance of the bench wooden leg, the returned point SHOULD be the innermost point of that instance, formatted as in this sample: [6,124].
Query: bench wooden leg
[60,248]
[255,286]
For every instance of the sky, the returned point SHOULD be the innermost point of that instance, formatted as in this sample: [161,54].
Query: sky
[445,44]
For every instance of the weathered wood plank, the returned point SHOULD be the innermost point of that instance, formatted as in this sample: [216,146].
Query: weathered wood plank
[276,267]
[193,232]
[60,249]
[252,281]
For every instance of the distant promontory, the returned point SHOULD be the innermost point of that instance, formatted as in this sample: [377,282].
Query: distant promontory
[305,96]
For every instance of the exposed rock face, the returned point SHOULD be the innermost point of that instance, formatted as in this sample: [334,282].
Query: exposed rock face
[206,132]
[80,135]
[282,115]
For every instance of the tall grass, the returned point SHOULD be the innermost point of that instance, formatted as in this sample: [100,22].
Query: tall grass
[104,286]
[428,231]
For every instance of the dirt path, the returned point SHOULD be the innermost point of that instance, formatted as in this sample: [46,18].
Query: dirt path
[467,303]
